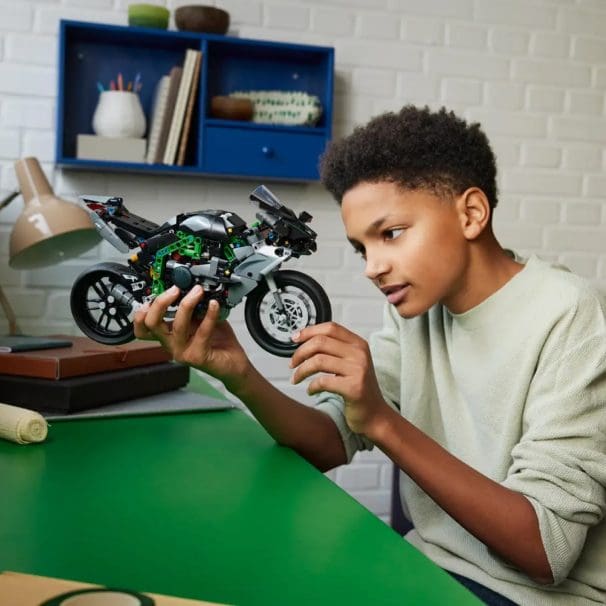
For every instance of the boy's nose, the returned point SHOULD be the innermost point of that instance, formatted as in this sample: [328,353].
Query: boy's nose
[374,267]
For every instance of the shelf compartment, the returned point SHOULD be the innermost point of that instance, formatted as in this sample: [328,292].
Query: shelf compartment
[92,53]
[266,152]
[242,65]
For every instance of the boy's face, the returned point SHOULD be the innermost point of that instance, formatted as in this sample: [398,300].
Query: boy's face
[413,245]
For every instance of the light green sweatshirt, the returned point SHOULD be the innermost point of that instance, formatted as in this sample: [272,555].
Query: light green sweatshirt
[515,388]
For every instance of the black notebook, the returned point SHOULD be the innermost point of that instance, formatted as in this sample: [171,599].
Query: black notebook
[14,343]
[91,391]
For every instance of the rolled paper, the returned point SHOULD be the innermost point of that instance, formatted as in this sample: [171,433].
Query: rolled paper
[21,425]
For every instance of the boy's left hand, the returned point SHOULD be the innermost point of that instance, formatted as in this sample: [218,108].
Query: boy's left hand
[345,358]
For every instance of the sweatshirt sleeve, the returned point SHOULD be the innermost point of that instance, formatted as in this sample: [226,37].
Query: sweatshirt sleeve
[560,462]
[385,351]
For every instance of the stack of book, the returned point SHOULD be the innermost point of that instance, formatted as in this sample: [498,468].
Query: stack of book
[172,110]
[87,375]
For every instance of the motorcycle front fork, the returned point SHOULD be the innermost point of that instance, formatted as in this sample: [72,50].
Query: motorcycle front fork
[273,289]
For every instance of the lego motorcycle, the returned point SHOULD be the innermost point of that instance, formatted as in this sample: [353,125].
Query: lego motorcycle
[213,248]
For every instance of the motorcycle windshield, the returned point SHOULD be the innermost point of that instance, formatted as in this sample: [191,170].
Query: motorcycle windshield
[268,201]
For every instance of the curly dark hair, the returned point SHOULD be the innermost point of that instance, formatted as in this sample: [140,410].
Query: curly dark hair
[415,149]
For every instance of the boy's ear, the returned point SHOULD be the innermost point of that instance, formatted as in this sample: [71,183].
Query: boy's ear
[474,212]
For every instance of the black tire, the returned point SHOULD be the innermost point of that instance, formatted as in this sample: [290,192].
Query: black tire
[101,302]
[306,303]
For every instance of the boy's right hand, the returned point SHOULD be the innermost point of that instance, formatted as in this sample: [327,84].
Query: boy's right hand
[208,344]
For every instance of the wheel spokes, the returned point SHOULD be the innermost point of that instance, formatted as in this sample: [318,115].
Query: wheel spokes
[298,311]
[104,311]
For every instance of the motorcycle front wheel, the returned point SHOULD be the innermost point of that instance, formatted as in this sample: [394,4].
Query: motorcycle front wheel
[102,303]
[304,303]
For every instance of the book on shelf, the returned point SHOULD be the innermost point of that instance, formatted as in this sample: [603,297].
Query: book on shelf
[189,110]
[84,357]
[157,113]
[165,120]
[176,124]
[115,149]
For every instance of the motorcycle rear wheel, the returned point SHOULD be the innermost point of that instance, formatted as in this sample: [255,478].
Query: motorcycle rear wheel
[101,303]
[305,304]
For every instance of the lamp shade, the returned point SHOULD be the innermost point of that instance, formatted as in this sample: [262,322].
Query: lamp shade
[49,230]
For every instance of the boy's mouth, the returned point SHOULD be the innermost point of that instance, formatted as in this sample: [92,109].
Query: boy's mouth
[395,293]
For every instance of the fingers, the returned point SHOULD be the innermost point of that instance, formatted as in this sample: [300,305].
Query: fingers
[338,359]
[183,318]
[203,334]
[329,329]
[141,331]
[322,362]
[332,383]
[158,309]
[149,319]
[330,338]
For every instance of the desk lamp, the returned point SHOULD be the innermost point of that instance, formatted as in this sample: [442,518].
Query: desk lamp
[48,231]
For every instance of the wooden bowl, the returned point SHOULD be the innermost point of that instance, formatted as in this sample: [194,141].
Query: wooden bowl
[204,19]
[231,108]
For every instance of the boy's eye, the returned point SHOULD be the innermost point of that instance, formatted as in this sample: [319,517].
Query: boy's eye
[392,234]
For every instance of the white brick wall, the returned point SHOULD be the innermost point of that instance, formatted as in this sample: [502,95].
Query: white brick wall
[532,71]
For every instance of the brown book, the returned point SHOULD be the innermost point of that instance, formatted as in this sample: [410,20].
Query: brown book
[157,112]
[173,89]
[84,357]
[189,110]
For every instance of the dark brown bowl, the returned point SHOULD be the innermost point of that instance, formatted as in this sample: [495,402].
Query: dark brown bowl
[204,19]
[231,108]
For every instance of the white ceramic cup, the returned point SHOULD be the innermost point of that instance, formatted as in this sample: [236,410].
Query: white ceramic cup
[119,114]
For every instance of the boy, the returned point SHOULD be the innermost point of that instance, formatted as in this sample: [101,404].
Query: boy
[486,384]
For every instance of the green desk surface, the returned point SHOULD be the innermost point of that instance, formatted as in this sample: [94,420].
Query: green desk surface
[200,505]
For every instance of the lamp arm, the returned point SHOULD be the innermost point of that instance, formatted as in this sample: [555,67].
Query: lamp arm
[6,201]
[13,327]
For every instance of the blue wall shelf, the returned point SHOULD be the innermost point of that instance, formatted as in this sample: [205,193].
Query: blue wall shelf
[91,53]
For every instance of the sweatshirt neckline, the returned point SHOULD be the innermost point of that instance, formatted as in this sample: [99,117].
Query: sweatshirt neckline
[505,297]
